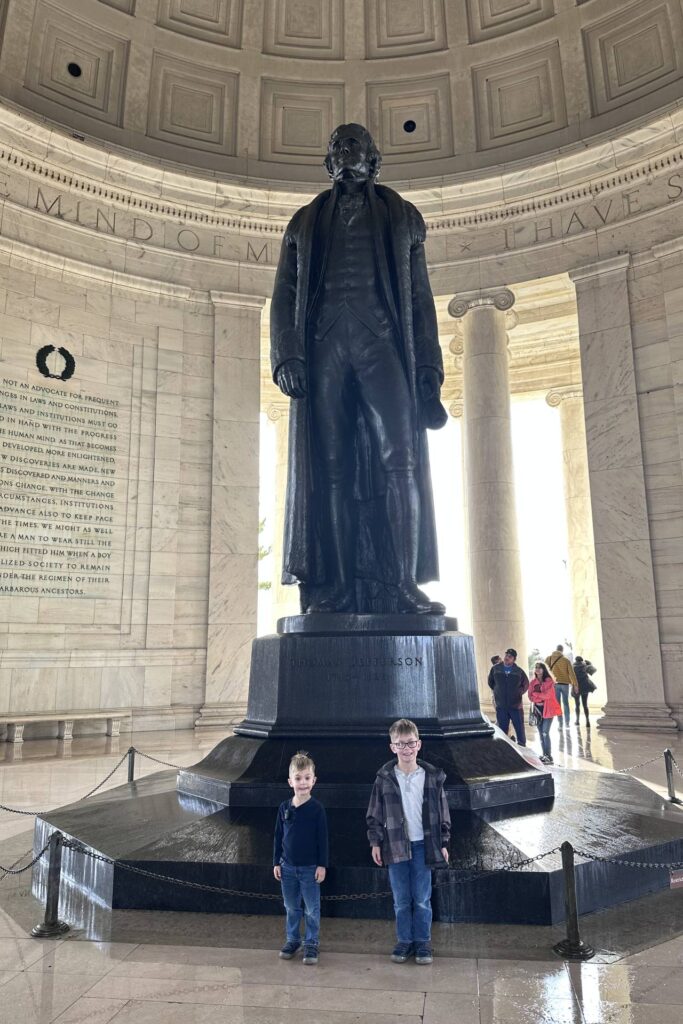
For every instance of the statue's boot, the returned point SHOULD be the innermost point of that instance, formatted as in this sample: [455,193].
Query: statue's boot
[339,595]
[403,516]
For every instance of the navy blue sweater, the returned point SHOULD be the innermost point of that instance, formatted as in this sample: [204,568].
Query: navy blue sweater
[301,834]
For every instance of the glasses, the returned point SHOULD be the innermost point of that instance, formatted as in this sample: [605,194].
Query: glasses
[410,744]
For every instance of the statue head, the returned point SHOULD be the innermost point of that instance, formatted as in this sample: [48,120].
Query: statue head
[352,154]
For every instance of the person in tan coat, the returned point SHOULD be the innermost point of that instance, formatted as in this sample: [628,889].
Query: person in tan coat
[564,675]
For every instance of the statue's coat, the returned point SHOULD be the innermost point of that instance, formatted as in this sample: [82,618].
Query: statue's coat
[400,233]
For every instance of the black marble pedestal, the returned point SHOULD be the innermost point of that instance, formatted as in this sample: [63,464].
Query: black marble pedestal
[360,675]
[333,684]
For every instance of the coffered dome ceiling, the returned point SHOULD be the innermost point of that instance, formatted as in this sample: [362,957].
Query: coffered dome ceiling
[254,87]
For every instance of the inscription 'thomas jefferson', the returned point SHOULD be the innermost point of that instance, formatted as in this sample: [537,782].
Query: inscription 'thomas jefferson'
[61,492]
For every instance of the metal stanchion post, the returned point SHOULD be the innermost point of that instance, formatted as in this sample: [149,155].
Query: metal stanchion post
[131,764]
[669,765]
[571,948]
[52,926]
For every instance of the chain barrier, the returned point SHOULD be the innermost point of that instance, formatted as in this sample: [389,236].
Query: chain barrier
[473,876]
[13,870]
[671,866]
[107,777]
[621,771]
[91,792]
[447,878]
[169,764]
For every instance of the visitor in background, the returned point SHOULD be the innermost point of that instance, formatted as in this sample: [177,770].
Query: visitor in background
[561,668]
[585,686]
[494,661]
[509,683]
[546,707]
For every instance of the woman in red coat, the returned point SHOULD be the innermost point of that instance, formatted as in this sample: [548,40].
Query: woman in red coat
[546,706]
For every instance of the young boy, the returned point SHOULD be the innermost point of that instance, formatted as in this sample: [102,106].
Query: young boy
[300,858]
[409,826]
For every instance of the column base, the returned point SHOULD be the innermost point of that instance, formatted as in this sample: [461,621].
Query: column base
[677,713]
[217,716]
[637,717]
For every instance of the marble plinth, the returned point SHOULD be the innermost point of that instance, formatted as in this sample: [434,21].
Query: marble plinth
[481,771]
[150,824]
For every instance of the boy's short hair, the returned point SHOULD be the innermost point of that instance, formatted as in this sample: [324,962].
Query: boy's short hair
[401,726]
[300,762]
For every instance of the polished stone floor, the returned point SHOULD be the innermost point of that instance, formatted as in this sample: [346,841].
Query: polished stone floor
[144,967]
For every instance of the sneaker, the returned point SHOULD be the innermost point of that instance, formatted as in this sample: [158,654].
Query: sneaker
[423,955]
[310,955]
[402,952]
[289,950]
[543,759]
[549,760]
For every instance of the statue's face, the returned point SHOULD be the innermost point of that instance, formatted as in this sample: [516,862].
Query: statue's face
[348,156]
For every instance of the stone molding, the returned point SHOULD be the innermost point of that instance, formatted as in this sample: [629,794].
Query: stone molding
[533,187]
[613,265]
[120,282]
[502,299]
[103,658]
[237,299]
[671,248]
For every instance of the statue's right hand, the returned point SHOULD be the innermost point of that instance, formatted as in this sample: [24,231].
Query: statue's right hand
[291,378]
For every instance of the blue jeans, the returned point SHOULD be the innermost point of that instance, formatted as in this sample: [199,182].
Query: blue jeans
[298,883]
[544,735]
[562,694]
[515,715]
[411,884]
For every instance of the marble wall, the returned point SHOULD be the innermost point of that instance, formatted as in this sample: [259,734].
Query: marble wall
[133,637]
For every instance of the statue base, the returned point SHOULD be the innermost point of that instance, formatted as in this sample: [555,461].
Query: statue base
[332,684]
[360,675]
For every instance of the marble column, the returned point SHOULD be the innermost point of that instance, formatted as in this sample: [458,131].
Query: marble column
[623,557]
[586,635]
[285,599]
[233,569]
[495,572]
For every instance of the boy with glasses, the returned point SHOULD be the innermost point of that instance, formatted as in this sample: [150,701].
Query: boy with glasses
[409,826]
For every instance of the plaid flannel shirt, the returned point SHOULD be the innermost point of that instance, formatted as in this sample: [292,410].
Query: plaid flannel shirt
[386,822]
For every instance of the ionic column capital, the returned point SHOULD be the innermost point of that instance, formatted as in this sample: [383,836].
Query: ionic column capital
[277,410]
[556,396]
[500,298]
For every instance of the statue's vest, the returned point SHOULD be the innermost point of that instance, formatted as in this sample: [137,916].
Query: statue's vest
[350,282]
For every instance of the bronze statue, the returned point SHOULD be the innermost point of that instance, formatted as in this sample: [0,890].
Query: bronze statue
[354,344]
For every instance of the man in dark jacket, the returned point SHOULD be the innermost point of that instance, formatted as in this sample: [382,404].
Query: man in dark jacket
[354,343]
[509,683]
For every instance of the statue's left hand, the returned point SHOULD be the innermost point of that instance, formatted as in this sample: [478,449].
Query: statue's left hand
[428,382]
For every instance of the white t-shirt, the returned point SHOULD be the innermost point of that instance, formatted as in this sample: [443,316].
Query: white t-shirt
[412,786]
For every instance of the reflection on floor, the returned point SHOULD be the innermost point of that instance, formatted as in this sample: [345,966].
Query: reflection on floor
[144,967]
